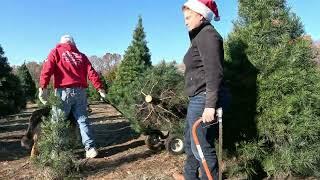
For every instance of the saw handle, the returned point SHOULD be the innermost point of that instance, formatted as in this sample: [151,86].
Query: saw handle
[200,152]
[195,126]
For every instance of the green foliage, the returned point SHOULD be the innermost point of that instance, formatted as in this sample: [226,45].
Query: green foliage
[56,144]
[136,78]
[167,109]
[4,66]
[111,75]
[28,85]
[267,55]
[135,62]
[93,93]
[166,86]
[12,99]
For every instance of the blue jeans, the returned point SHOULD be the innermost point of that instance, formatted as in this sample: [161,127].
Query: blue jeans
[74,100]
[206,137]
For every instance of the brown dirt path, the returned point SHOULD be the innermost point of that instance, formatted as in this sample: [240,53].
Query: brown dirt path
[122,152]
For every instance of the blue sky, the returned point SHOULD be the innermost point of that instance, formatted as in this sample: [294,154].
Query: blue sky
[29,29]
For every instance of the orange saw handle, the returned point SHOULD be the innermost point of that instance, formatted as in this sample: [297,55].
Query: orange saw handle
[200,152]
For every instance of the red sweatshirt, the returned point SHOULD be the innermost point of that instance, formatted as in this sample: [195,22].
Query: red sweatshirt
[69,67]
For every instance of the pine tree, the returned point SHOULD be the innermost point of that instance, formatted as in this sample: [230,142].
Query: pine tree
[92,92]
[56,144]
[28,85]
[137,60]
[110,76]
[267,54]
[11,95]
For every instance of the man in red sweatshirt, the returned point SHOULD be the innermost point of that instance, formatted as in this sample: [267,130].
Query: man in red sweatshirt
[70,69]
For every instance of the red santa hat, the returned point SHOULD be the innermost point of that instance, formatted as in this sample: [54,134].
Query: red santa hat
[204,7]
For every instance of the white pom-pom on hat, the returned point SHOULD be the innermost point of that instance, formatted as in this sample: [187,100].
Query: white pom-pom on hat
[207,8]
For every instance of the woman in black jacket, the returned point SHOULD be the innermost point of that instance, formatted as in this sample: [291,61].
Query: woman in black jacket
[203,78]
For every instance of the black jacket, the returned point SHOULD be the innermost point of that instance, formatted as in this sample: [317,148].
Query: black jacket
[203,61]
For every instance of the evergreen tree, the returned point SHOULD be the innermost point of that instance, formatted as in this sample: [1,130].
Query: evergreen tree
[57,143]
[136,60]
[28,85]
[283,133]
[92,92]
[110,76]
[11,95]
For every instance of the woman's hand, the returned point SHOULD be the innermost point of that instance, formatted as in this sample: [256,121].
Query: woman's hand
[208,115]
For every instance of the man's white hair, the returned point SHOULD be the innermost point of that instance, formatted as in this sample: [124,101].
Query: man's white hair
[67,39]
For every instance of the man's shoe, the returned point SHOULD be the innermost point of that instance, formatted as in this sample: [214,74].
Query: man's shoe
[91,153]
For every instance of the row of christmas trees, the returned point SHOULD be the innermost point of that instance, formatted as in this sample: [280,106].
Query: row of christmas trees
[273,125]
